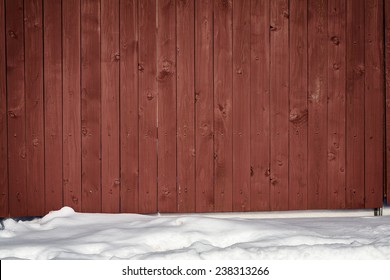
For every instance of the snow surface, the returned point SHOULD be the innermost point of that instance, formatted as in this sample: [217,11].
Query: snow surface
[65,234]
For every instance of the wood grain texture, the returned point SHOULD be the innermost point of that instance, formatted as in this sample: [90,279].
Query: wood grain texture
[279,91]
[52,42]
[4,210]
[166,77]
[147,107]
[129,104]
[374,93]
[260,105]
[317,104]
[241,105]
[336,103]
[185,25]
[355,105]
[17,163]
[223,122]
[35,145]
[71,102]
[204,106]
[91,106]
[298,111]
[387,77]
[109,59]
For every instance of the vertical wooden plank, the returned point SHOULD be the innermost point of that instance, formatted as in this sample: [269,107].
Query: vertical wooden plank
[374,103]
[4,210]
[336,103]
[147,107]
[223,142]
[317,103]
[90,106]
[387,61]
[17,164]
[241,105]
[110,105]
[166,50]
[33,29]
[71,57]
[355,105]
[204,118]
[279,90]
[129,104]
[298,116]
[185,105]
[260,110]
[53,104]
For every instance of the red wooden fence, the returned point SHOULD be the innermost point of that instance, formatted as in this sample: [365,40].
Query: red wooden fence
[193,106]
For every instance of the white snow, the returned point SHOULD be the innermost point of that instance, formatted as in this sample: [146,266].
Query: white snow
[65,234]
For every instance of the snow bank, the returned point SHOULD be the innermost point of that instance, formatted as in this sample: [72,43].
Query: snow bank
[65,234]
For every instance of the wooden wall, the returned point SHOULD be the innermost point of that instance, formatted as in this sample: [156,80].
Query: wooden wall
[193,106]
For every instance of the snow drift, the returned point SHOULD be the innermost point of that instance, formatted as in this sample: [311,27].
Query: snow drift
[65,234]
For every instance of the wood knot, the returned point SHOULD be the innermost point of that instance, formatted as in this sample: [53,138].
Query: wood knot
[117,57]
[336,66]
[273,28]
[35,142]
[117,182]
[166,69]
[267,172]
[239,71]
[215,156]
[140,67]
[11,114]
[75,199]
[252,171]
[297,116]
[149,96]
[286,14]
[12,34]
[274,180]
[196,97]
[84,131]
[335,40]
[359,69]
[22,154]
[331,156]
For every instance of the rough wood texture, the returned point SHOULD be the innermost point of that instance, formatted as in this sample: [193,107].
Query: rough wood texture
[71,54]
[185,24]
[374,93]
[317,103]
[109,59]
[33,28]
[298,112]
[193,106]
[53,104]
[4,210]
[279,91]
[91,106]
[336,102]
[166,77]
[260,106]
[223,158]
[147,107]
[387,77]
[204,105]
[17,163]
[241,105]
[129,104]
[355,105]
